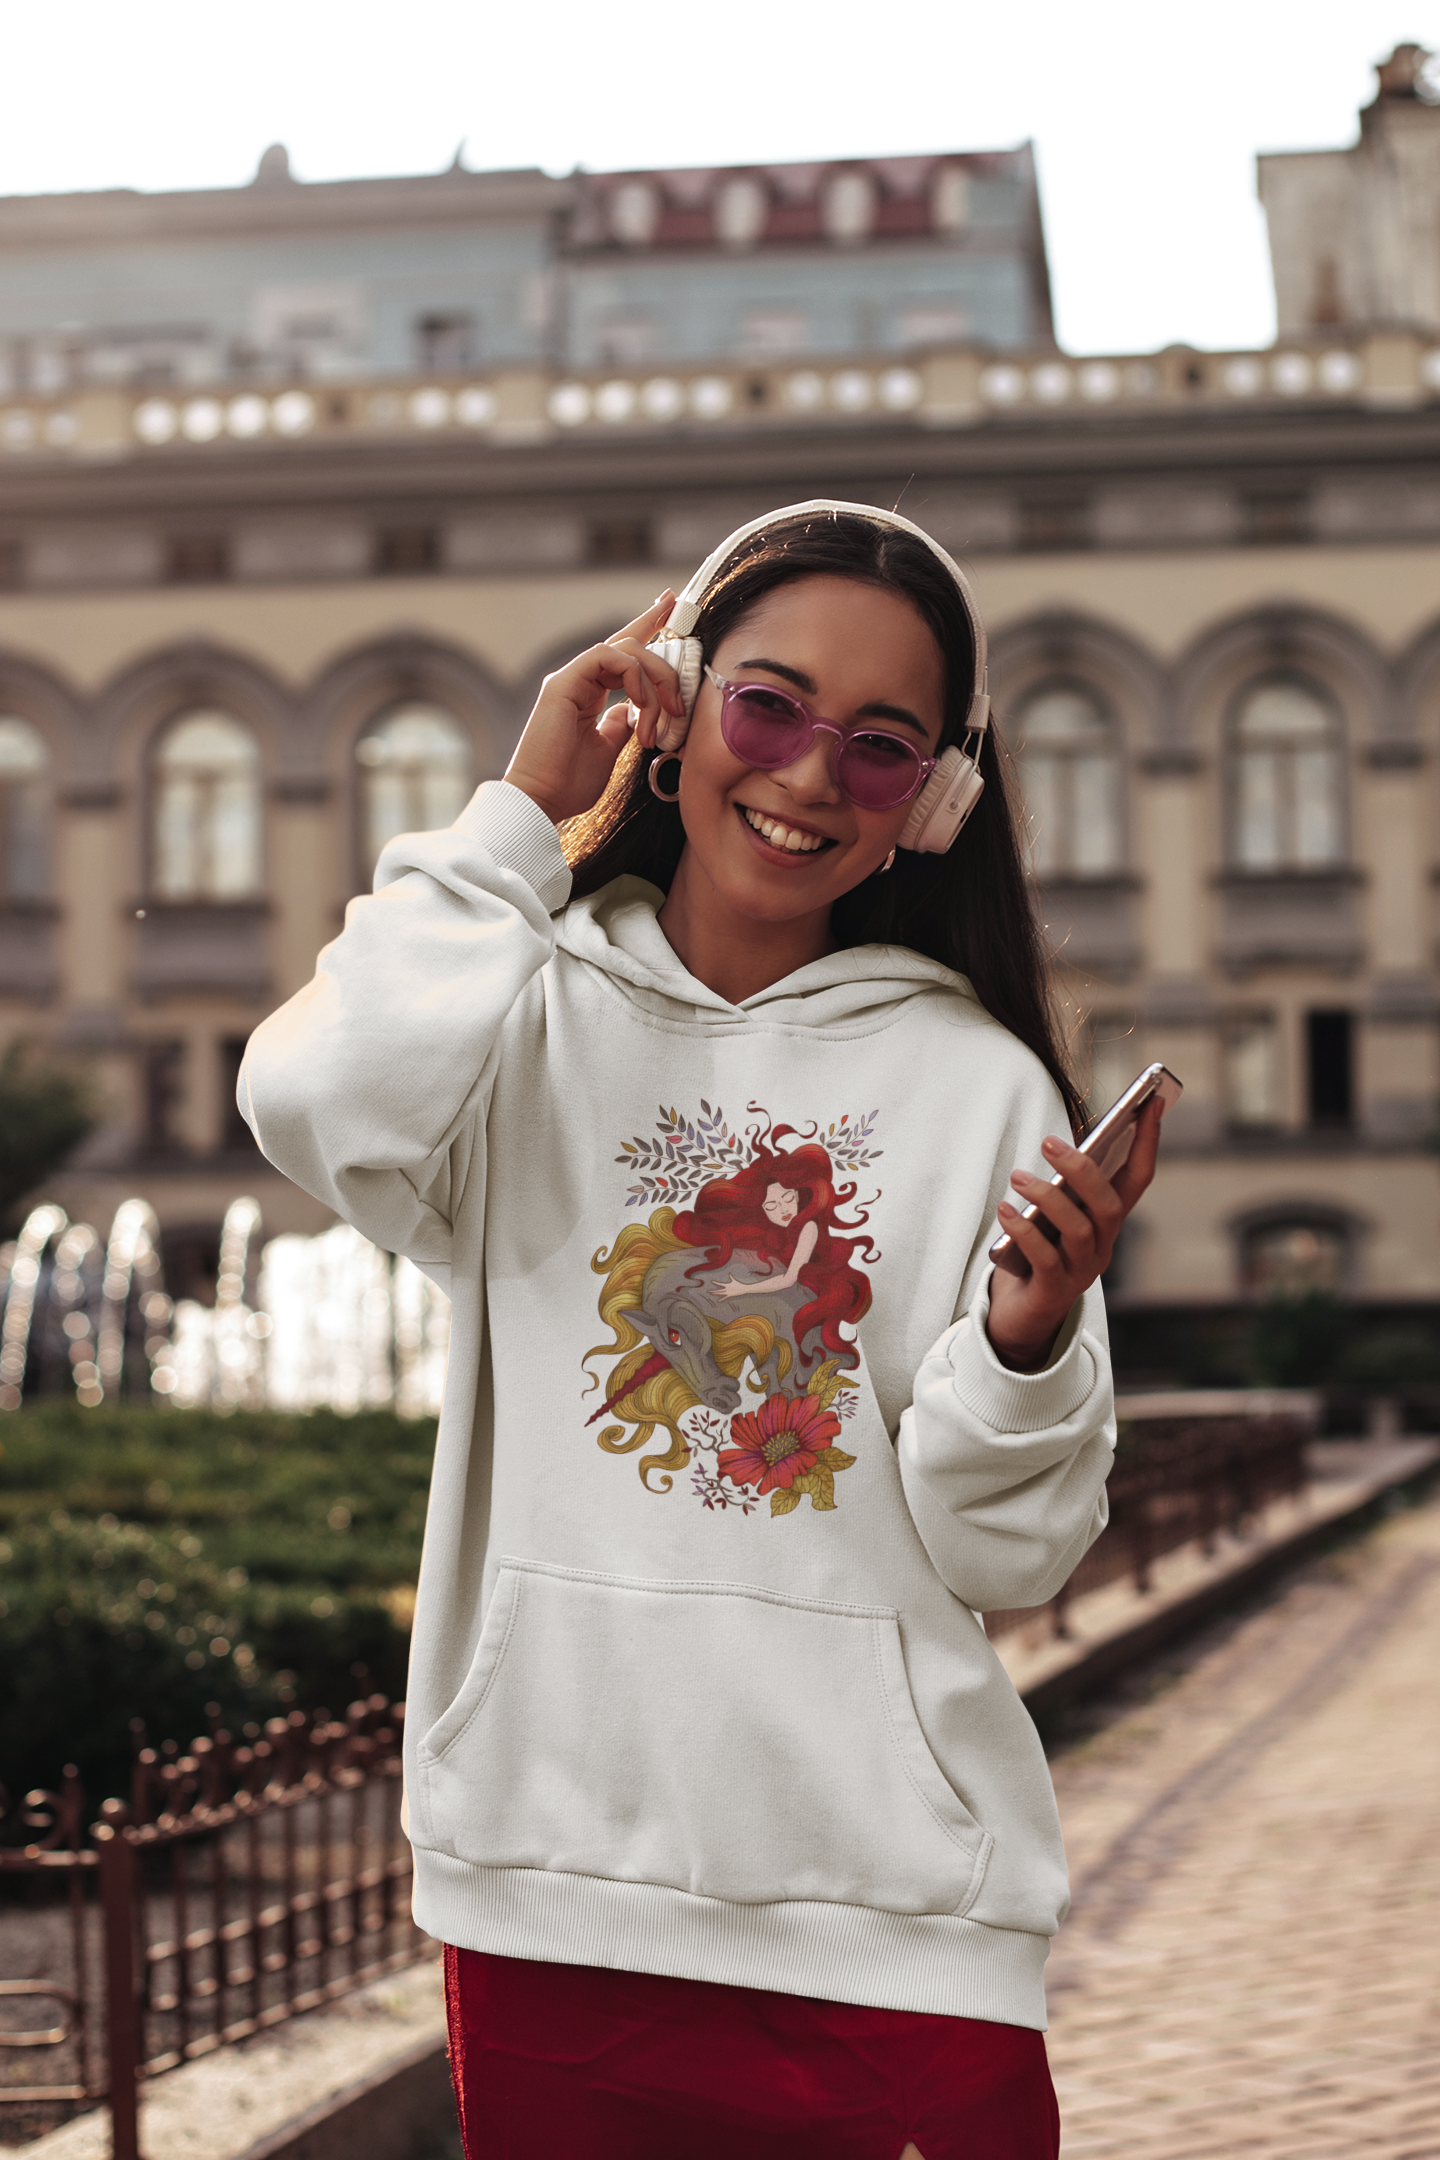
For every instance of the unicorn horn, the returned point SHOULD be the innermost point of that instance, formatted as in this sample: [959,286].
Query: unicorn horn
[655,1363]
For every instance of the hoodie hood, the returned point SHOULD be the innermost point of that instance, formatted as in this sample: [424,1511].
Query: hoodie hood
[616,930]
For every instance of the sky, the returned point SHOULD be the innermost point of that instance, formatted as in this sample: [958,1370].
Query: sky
[1146,117]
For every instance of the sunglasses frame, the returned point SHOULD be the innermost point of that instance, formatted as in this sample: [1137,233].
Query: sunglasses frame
[730,691]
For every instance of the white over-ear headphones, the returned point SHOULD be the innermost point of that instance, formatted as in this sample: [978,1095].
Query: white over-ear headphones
[955,786]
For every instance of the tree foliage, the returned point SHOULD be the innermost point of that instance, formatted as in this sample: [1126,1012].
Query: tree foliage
[152,1561]
[46,1110]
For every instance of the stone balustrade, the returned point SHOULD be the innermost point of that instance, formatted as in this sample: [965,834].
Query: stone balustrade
[954,387]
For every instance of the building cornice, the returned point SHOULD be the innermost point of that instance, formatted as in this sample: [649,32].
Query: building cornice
[346,465]
[119,217]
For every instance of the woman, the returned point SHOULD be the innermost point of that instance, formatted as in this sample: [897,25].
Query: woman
[781,1211]
[735,1830]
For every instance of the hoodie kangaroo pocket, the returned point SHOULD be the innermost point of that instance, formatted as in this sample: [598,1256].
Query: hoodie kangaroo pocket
[735,1743]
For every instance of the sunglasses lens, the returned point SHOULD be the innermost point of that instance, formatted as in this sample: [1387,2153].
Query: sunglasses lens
[769,729]
[877,771]
[763,726]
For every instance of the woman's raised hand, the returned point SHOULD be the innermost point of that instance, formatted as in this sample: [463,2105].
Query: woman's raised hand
[1027,1313]
[565,757]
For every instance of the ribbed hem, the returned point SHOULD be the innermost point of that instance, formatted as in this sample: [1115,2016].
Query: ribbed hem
[1018,1402]
[843,1953]
[521,838]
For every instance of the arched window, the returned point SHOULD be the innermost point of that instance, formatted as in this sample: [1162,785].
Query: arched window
[416,774]
[24,811]
[1287,779]
[1291,1259]
[1070,772]
[207,810]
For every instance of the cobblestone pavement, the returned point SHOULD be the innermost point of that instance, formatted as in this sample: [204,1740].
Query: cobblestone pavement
[1252,1965]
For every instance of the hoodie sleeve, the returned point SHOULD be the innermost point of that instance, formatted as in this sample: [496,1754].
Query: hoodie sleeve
[368,1088]
[1004,1472]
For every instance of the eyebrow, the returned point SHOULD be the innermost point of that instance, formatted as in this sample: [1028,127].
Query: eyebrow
[876,710]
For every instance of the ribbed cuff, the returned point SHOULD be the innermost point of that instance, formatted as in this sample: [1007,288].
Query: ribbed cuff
[518,834]
[1016,1402]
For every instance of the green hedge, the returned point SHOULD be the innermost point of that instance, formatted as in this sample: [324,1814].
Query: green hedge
[152,1562]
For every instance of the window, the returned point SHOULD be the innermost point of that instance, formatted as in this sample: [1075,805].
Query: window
[163,1069]
[235,1135]
[932,323]
[207,810]
[444,344]
[1291,1259]
[1330,1068]
[1287,779]
[416,775]
[635,212]
[774,330]
[309,329]
[1070,773]
[619,540]
[1250,1066]
[626,340]
[407,551]
[197,558]
[742,209]
[24,812]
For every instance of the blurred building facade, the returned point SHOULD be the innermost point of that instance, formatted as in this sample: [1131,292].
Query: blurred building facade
[303,489]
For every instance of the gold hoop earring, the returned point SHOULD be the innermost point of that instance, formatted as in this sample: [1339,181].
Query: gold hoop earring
[656,790]
[888,864]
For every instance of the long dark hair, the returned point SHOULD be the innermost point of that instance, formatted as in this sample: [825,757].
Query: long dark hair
[969,909]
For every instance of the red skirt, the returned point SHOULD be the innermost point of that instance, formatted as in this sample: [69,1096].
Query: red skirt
[578,2059]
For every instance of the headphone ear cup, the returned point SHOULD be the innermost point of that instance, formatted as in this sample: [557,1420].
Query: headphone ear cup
[687,657]
[943,804]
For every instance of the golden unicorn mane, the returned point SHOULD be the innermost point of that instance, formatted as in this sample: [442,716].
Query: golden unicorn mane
[663,1399]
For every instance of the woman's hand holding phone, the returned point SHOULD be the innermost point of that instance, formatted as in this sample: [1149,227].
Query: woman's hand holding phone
[1027,1312]
[564,759]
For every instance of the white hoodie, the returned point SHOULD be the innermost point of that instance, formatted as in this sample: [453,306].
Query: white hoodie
[698,1685]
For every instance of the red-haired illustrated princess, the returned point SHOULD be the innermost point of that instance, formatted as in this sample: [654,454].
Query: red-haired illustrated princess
[782,1208]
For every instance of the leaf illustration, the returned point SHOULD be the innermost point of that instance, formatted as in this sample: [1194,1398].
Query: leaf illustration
[819,1483]
[825,1383]
[785,1503]
[834,1458]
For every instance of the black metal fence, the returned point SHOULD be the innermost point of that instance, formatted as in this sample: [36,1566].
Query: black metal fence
[1181,1478]
[243,1882]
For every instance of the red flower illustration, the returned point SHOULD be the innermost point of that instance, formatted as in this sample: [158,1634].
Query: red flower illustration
[779,1442]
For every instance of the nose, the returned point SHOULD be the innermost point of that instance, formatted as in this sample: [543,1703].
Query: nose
[812,776]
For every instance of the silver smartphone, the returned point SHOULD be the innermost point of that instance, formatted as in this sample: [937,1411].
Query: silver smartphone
[1109,1142]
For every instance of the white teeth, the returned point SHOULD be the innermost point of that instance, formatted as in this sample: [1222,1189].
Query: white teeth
[781,836]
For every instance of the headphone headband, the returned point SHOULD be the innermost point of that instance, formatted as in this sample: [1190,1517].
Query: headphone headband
[686,611]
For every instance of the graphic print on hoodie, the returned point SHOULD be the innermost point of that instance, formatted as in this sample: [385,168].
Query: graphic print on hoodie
[746,1293]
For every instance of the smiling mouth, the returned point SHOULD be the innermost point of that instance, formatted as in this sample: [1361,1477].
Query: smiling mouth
[785,839]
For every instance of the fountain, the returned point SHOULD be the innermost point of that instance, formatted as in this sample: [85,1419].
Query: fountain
[300,1323]
[79,1314]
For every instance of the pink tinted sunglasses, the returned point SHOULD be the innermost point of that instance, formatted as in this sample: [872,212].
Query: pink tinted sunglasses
[768,728]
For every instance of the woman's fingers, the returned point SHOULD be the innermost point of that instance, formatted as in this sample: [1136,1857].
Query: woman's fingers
[613,727]
[1076,1227]
[576,731]
[649,682]
[1084,1178]
[647,625]
[1044,1258]
[1139,1168]
[1088,1208]
[1087,1211]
